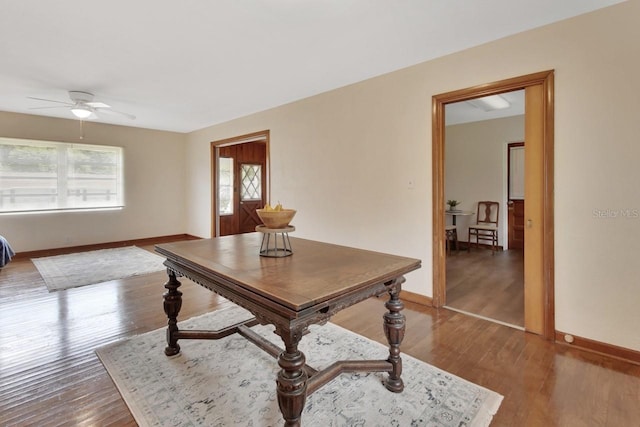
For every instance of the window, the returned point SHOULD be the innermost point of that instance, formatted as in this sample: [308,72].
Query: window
[225,186]
[42,175]
[251,179]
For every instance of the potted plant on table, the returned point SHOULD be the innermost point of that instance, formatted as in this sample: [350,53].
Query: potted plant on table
[452,204]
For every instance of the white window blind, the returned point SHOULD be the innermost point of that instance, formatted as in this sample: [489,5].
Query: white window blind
[43,175]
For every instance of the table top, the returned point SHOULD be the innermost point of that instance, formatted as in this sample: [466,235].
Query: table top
[456,212]
[316,272]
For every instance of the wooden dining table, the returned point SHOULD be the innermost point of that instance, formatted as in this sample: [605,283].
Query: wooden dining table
[315,282]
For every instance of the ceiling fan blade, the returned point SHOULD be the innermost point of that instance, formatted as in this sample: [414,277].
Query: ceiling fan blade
[110,111]
[50,100]
[44,108]
[97,105]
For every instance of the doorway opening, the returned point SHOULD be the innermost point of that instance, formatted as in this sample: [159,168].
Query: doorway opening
[240,182]
[484,170]
[538,256]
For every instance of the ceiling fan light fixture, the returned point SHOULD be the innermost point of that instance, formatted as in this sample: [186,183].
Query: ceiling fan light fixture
[81,112]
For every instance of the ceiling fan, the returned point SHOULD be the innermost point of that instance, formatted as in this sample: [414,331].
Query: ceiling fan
[83,106]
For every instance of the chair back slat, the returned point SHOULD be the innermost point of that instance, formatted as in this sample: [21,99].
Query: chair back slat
[488,212]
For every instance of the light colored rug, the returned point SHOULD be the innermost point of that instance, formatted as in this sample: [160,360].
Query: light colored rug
[86,268]
[231,382]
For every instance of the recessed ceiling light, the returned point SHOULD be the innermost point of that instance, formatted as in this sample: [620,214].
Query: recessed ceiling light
[490,103]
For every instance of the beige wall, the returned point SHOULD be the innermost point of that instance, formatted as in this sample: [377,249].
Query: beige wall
[356,162]
[476,167]
[154,186]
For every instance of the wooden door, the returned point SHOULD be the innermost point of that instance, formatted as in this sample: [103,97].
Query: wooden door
[516,224]
[241,186]
[515,191]
[534,290]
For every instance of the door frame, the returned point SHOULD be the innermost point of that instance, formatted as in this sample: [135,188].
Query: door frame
[260,136]
[546,80]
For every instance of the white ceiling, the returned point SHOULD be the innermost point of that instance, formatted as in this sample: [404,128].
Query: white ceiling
[184,65]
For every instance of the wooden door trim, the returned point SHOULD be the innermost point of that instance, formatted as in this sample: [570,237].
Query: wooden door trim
[546,79]
[260,136]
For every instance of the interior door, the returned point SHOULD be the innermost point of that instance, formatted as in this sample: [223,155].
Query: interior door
[241,186]
[534,271]
[516,204]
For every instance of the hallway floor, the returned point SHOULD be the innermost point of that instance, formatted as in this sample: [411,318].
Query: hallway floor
[487,285]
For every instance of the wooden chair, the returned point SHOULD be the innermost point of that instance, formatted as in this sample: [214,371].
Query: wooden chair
[486,228]
[451,234]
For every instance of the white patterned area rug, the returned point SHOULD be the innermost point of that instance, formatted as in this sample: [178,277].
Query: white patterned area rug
[86,268]
[231,382]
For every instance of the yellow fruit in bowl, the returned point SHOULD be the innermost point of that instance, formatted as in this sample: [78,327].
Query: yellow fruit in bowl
[268,208]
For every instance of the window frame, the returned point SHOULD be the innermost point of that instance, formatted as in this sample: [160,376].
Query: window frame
[63,181]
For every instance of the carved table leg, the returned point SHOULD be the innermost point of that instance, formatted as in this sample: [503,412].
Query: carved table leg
[172,305]
[394,327]
[292,380]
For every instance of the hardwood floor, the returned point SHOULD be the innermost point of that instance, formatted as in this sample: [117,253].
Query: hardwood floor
[487,285]
[50,375]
